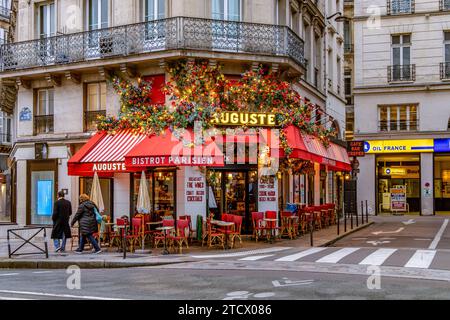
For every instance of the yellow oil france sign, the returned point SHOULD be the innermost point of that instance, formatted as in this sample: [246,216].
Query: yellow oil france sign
[399,146]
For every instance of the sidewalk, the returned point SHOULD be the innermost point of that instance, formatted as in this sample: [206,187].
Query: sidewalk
[111,258]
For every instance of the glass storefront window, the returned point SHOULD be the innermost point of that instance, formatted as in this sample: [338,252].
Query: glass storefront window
[5,199]
[105,186]
[42,197]
[164,193]
[398,171]
[442,183]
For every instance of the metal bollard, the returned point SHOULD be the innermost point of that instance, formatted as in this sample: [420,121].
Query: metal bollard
[367,212]
[351,220]
[124,242]
[345,218]
[337,220]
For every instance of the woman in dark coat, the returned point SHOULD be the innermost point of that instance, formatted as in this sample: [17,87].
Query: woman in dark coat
[87,223]
[62,210]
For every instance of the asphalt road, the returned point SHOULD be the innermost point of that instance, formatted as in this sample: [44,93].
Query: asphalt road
[402,232]
[162,284]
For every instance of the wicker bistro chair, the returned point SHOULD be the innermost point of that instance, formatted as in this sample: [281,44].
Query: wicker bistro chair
[213,236]
[159,236]
[181,237]
[236,233]
[258,225]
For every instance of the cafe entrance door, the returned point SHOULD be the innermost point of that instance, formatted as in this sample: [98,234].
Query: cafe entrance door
[234,192]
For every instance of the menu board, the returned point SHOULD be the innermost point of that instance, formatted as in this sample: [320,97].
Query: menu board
[267,191]
[398,198]
[195,189]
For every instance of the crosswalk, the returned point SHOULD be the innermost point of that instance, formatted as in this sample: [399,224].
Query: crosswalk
[407,258]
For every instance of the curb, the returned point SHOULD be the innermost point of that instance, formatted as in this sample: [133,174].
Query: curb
[103,264]
[329,243]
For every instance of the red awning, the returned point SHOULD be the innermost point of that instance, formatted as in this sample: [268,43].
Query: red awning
[105,154]
[311,148]
[334,156]
[167,150]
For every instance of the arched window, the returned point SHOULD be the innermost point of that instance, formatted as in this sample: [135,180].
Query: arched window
[337,129]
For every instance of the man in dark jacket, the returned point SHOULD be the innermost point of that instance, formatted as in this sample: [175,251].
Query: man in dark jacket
[62,210]
[87,223]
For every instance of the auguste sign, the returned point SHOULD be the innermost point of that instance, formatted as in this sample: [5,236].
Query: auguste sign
[252,119]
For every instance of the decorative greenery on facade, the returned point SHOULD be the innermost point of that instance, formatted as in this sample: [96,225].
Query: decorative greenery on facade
[200,92]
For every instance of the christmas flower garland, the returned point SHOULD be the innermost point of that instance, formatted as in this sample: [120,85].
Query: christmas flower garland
[199,92]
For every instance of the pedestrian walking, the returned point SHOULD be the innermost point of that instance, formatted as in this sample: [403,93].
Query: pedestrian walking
[62,210]
[87,223]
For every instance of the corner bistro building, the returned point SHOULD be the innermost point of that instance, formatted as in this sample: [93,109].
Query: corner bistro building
[178,183]
[420,166]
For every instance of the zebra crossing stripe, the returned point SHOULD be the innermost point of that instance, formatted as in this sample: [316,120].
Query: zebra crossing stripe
[378,257]
[294,257]
[338,255]
[255,258]
[421,259]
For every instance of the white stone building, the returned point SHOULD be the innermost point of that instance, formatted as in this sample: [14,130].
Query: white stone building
[65,51]
[401,93]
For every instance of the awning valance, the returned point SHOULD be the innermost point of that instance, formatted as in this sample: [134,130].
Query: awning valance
[167,150]
[105,154]
[310,148]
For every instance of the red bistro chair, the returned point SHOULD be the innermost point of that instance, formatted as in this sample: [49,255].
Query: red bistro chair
[159,236]
[182,235]
[236,233]
[258,224]
[272,225]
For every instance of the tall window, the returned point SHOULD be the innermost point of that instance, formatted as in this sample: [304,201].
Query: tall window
[98,14]
[445,67]
[46,20]
[226,10]
[3,36]
[330,68]
[338,74]
[5,127]
[348,47]
[348,86]
[95,104]
[400,6]
[154,9]
[43,119]
[401,57]
[398,118]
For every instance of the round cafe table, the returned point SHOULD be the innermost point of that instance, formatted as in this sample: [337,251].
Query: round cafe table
[165,229]
[272,229]
[225,225]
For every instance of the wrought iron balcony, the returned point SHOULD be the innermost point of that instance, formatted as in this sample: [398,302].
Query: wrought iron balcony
[43,124]
[444,5]
[91,119]
[400,7]
[401,73]
[445,70]
[154,36]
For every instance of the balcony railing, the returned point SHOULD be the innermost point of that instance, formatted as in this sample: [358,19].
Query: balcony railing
[401,125]
[91,119]
[43,124]
[400,73]
[444,5]
[445,70]
[154,36]
[400,7]
[5,13]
